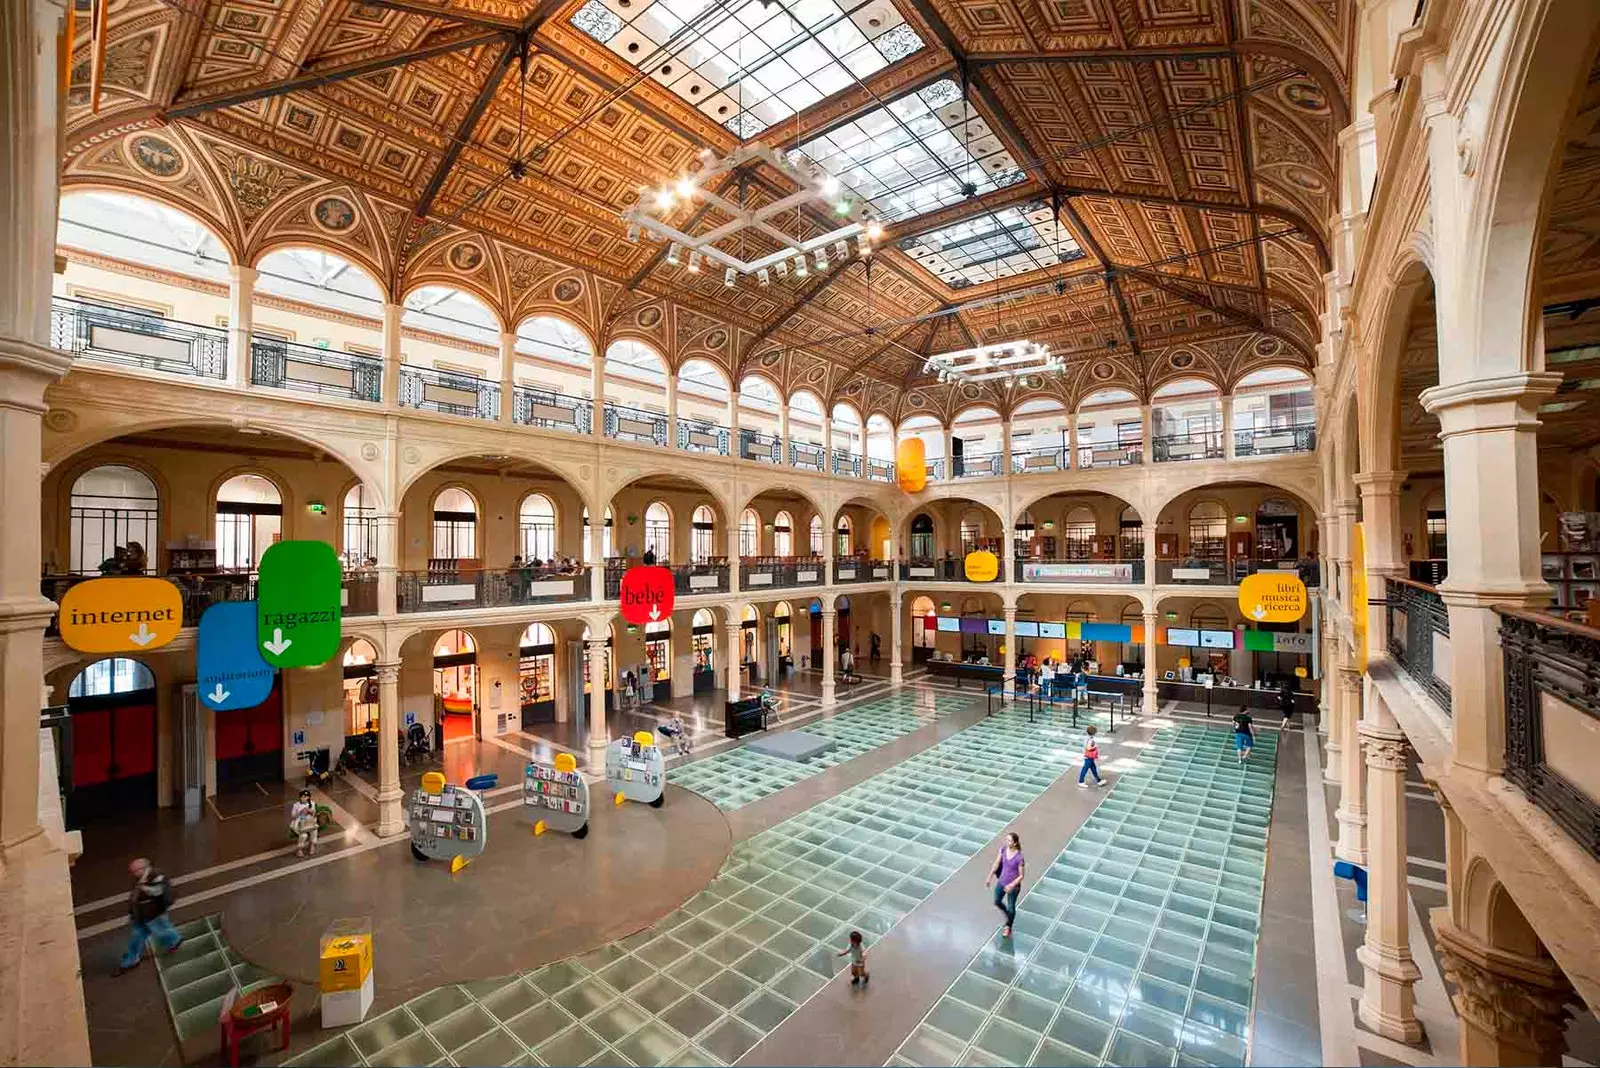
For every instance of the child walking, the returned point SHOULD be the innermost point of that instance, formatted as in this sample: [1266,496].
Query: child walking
[858,959]
[1244,735]
[1091,759]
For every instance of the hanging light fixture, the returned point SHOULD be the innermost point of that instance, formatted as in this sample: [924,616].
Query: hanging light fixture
[674,251]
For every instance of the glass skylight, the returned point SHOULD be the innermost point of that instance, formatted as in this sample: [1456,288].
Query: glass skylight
[916,153]
[996,244]
[751,63]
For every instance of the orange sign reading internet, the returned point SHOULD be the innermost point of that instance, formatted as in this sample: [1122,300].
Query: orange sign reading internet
[121,615]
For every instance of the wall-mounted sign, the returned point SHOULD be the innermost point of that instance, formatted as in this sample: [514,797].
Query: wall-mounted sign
[1052,571]
[231,672]
[1273,597]
[1266,641]
[298,598]
[982,566]
[647,594]
[911,465]
[121,615]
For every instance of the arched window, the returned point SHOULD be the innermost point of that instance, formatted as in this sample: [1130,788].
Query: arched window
[1277,530]
[749,533]
[605,538]
[783,534]
[111,676]
[971,532]
[1208,617]
[1208,531]
[536,676]
[360,527]
[1130,535]
[112,507]
[1080,531]
[922,537]
[816,535]
[658,532]
[536,524]
[249,519]
[455,525]
[845,531]
[702,535]
[923,623]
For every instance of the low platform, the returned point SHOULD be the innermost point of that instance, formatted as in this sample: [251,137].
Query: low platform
[791,745]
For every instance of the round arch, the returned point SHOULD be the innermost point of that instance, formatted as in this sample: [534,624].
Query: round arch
[456,293]
[300,274]
[86,207]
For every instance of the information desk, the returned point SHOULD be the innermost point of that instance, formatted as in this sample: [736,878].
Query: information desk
[986,674]
[1231,697]
[745,716]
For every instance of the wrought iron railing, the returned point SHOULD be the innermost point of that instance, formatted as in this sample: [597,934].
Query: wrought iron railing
[283,364]
[551,410]
[199,592]
[1552,715]
[935,469]
[361,593]
[452,394]
[695,435]
[880,470]
[1270,441]
[706,577]
[805,454]
[762,448]
[847,463]
[1198,445]
[635,424]
[978,465]
[852,569]
[1090,572]
[118,335]
[1419,636]
[1119,455]
[1030,460]
[440,590]
[776,572]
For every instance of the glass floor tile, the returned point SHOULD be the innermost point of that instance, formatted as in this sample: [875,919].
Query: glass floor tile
[737,777]
[1139,939]
[708,982]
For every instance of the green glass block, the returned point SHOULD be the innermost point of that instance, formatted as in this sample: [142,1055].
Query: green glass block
[575,1045]
[538,1024]
[1007,1042]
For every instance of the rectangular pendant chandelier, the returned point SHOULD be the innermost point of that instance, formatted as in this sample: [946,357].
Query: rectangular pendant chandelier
[987,363]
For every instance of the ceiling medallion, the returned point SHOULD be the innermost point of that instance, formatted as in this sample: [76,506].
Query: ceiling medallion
[648,217]
[1008,361]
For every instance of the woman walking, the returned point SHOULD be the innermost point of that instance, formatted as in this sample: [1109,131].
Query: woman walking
[1006,878]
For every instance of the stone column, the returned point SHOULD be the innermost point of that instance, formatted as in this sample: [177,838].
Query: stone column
[1388,1002]
[733,555]
[508,376]
[1352,812]
[1380,524]
[896,627]
[597,569]
[1152,703]
[1072,444]
[599,738]
[391,812]
[1146,435]
[1345,511]
[597,394]
[783,432]
[387,525]
[672,409]
[392,358]
[1228,447]
[1330,714]
[733,425]
[1512,1006]
[1491,474]
[735,653]
[950,452]
[1008,681]
[829,653]
[827,452]
[241,321]
[1005,450]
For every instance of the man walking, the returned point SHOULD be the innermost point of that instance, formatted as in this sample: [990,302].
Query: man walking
[148,904]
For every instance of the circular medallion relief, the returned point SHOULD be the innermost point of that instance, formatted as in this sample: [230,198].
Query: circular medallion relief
[1103,371]
[916,400]
[648,317]
[465,257]
[1305,178]
[60,420]
[412,455]
[156,156]
[568,290]
[334,214]
[369,451]
[1304,96]
[1268,346]
[971,392]
[1181,360]
[771,358]
[716,339]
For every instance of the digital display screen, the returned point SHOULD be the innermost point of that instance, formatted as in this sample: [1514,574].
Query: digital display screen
[1184,638]
[1027,628]
[974,625]
[949,624]
[1052,630]
[1216,639]
[997,626]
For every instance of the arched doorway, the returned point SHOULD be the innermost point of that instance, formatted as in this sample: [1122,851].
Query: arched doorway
[658,649]
[749,638]
[360,522]
[112,703]
[814,610]
[846,538]
[1208,531]
[360,687]
[702,535]
[703,644]
[536,677]
[922,537]
[814,535]
[112,507]
[657,533]
[924,628]
[1277,531]
[536,528]
[249,518]
[842,622]
[455,685]
[1081,532]
[1130,535]
[783,535]
[749,533]
[783,630]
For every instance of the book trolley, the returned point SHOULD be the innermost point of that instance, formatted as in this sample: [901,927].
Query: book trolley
[447,822]
[556,796]
[636,770]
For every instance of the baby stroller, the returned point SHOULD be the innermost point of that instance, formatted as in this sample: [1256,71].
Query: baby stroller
[678,735]
[416,747]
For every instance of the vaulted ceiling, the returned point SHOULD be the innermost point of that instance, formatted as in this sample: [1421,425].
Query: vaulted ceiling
[1149,178]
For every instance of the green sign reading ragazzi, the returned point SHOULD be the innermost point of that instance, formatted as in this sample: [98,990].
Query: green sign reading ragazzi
[298,599]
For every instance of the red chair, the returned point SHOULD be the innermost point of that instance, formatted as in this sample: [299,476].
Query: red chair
[236,1026]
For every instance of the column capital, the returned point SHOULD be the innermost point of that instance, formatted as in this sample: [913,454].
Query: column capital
[1011,613]
[1381,483]
[387,671]
[1384,749]
[242,273]
[26,369]
[596,645]
[1506,997]
[1523,388]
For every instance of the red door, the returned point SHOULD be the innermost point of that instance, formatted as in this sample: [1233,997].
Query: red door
[113,755]
[250,741]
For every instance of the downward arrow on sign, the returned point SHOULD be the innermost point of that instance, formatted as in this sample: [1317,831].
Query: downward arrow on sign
[144,637]
[218,695]
[655,613]
[1258,612]
[278,643]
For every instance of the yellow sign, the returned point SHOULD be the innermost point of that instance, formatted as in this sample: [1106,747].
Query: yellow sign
[982,566]
[121,615]
[1358,593]
[433,782]
[1273,597]
[346,963]
[565,762]
[911,465]
[1300,673]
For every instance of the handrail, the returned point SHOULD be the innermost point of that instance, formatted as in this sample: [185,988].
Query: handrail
[1126,455]
[699,435]
[1196,445]
[1026,461]
[1301,437]
[1423,619]
[980,465]
[552,410]
[880,470]
[281,364]
[805,454]
[626,423]
[1543,619]
[120,335]
[452,394]
[762,448]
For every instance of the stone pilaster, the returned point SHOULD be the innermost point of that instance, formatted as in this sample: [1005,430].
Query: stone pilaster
[598,737]
[241,322]
[896,628]
[829,652]
[1352,812]
[1388,1002]
[391,813]
[735,632]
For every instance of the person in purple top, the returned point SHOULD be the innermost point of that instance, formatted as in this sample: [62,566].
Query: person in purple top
[1006,878]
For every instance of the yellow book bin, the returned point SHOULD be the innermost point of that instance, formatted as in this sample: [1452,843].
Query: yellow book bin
[344,972]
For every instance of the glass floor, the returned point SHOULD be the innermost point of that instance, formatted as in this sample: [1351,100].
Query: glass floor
[713,978]
[737,777]
[1137,946]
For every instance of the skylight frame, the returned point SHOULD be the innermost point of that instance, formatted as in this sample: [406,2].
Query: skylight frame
[1012,241]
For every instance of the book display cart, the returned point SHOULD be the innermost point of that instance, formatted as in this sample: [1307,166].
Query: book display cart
[636,770]
[556,797]
[447,822]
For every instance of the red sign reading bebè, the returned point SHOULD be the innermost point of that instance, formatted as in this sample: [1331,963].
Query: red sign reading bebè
[647,594]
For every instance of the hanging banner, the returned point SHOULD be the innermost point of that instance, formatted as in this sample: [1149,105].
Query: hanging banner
[1358,593]
[1055,571]
[298,604]
[911,465]
[231,672]
[982,566]
[120,615]
[647,594]
[1273,597]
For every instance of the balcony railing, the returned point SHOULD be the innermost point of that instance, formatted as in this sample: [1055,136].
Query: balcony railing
[361,593]
[199,592]
[762,448]
[935,469]
[1270,441]
[978,465]
[697,436]
[446,590]
[307,369]
[1552,714]
[1086,572]
[1123,455]
[710,576]
[1193,573]
[924,569]
[804,454]
[846,463]
[551,410]
[1030,460]
[452,394]
[860,569]
[776,572]
[1199,445]
[138,339]
[880,470]
[635,424]
[1419,636]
